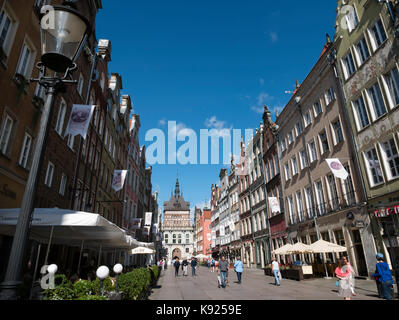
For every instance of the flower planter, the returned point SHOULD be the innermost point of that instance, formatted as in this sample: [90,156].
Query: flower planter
[292,274]
[268,272]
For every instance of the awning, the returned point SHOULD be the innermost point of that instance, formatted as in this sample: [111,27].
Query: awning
[68,227]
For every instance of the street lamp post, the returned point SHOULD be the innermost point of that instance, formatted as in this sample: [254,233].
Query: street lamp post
[60,44]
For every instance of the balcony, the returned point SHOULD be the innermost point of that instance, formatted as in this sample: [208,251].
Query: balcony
[324,208]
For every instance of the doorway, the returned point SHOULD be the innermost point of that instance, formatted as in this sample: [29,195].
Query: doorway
[359,252]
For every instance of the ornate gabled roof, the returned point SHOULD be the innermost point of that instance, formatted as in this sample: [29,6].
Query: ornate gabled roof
[177,202]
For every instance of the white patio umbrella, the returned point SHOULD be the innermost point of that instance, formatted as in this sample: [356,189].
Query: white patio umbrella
[322,246]
[299,248]
[283,250]
[201,256]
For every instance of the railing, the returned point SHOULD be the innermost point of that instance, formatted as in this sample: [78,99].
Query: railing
[324,208]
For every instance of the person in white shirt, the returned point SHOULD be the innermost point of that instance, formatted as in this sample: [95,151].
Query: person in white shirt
[276,271]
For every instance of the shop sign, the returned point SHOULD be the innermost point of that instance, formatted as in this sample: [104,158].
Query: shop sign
[385,212]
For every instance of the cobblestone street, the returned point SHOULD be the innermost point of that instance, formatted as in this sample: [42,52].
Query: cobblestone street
[255,286]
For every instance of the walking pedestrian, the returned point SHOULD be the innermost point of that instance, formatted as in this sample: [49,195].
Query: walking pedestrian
[352,275]
[276,272]
[185,267]
[176,264]
[222,270]
[397,274]
[384,276]
[239,268]
[194,264]
[213,263]
[343,273]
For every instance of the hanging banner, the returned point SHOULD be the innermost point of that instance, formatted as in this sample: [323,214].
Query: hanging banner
[274,205]
[79,120]
[222,232]
[148,218]
[136,223]
[119,179]
[337,168]
[146,231]
[208,236]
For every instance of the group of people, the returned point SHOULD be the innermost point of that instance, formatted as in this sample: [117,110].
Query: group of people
[382,276]
[184,266]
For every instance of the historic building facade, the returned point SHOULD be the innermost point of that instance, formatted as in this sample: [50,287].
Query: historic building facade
[313,127]
[275,216]
[177,230]
[368,64]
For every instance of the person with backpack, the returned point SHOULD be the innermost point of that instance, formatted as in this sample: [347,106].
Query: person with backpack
[213,263]
[384,275]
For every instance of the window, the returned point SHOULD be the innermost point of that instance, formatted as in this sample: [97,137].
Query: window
[298,129]
[300,206]
[362,51]
[40,91]
[307,119]
[309,202]
[376,100]
[312,151]
[317,109]
[287,172]
[377,35]
[174,239]
[63,184]
[330,96]
[303,159]
[320,198]
[60,118]
[49,175]
[187,238]
[271,169]
[290,138]
[80,84]
[338,134]
[391,158]
[333,192]
[324,142]
[166,238]
[276,164]
[348,65]
[361,116]
[71,141]
[5,134]
[291,209]
[352,19]
[392,82]
[7,28]
[349,190]
[23,158]
[25,60]
[294,166]
[179,238]
[373,167]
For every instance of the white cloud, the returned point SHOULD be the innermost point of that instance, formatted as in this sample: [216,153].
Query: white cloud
[258,110]
[218,125]
[262,82]
[262,98]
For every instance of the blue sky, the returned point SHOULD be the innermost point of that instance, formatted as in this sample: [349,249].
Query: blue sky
[219,60]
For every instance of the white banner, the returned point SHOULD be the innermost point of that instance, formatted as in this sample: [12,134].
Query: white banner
[148,218]
[79,120]
[208,237]
[274,205]
[222,232]
[119,179]
[337,168]
[136,223]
